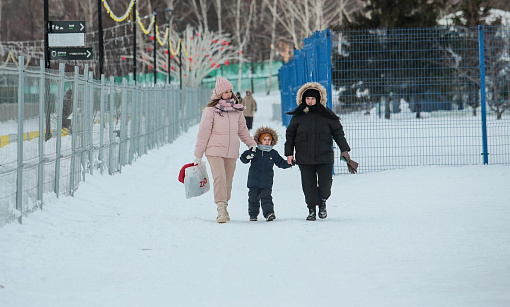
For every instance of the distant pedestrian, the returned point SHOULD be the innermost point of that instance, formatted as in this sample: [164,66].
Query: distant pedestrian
[239,97]
[251,107]
[221,127]
[311,132]
[260,175]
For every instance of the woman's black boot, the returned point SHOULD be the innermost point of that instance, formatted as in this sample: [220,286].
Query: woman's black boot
[311,214]
[322,210]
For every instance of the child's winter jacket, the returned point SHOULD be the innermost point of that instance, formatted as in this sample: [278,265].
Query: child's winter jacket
[261,171]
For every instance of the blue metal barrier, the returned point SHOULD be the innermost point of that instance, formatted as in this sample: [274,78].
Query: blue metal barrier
[310,64]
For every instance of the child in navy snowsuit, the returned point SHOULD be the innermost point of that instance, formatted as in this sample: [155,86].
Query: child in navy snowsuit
[260,175]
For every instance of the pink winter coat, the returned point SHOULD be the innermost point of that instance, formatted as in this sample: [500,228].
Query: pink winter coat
[219,135]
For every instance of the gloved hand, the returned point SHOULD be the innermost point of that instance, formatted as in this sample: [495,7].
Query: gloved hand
[250,156]
[352,165]
[253,148]
[345,155]
[197,160]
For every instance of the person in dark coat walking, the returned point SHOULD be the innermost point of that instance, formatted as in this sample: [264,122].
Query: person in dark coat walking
[260,175]
[311,132]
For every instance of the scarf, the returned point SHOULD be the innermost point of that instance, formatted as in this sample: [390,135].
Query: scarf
[228,106]
[264,147]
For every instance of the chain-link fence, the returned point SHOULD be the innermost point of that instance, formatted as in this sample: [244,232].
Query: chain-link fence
[55,127]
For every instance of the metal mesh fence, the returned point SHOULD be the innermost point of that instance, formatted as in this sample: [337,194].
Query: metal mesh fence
[59,126]
[413,96]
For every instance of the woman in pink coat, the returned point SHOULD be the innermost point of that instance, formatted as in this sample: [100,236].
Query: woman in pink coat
[221,127]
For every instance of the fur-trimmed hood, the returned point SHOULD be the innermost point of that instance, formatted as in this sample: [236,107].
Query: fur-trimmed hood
[315,86]
[263,130]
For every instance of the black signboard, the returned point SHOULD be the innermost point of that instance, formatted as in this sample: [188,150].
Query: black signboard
[69,54]
[67,27]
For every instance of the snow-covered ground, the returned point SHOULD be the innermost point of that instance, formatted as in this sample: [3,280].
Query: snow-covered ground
[422,236]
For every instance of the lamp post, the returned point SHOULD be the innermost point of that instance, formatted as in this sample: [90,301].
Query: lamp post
[100,30]
[154,48]
[133,12]
[169,12]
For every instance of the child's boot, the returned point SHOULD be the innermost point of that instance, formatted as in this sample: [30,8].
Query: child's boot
[222,212]
[270,217]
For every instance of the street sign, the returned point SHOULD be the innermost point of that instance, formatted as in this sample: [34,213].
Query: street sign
[66,39]
[67,27]
[69,54]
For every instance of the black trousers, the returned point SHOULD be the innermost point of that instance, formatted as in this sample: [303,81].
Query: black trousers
[258,197]
[249,122]
[316,180]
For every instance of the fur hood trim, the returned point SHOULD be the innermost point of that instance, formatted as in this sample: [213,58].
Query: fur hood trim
[263,130]
[315,86]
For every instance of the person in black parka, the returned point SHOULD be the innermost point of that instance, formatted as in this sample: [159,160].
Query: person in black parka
[260,175]
[311,132]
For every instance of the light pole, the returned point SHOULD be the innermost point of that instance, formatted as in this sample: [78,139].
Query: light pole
[100,30]
[154,47]
[169,18]
[133,12]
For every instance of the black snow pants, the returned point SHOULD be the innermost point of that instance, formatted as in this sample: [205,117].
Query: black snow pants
[316,180]
[258,197]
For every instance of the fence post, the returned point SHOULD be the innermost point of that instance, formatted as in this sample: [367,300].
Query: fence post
[59,105]
[21,116]
[40,171]
[111,137]
[147,127]
[139,115]
[328,66]
[132,134]
[73,129]
[482,94]
[101,126]
[90,123]
[84,114]
[123,126]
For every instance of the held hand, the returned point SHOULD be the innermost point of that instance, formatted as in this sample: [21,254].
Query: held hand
[197,160]
[253,148]
[290,160]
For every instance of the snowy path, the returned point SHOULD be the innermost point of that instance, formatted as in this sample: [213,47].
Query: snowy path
[424,236]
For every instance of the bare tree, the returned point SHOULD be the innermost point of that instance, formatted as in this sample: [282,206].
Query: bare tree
[273,35]
[301,18]
[242,32]
[2,3]
[217,6]
[202,52]
[200,11]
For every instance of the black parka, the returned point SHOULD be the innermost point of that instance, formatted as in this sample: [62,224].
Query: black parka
[311,130]
[311,135]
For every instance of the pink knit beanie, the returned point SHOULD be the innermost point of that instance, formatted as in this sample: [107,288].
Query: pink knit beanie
[222,85]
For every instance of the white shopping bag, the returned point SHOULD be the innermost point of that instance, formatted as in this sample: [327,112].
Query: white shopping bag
[196,181]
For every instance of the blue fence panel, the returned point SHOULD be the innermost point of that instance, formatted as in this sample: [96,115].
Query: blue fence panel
[310,64]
